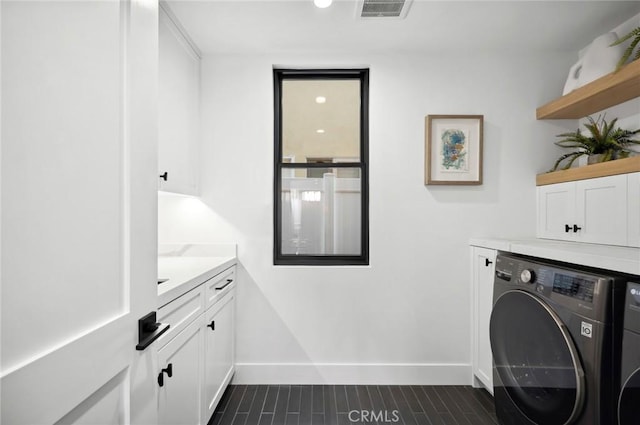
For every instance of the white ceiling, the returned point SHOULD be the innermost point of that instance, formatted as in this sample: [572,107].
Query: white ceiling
[241,26]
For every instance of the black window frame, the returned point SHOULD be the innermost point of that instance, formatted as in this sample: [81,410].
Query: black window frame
[279,75]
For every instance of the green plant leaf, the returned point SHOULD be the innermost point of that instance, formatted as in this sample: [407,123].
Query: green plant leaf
[575,155]
[605,138]
[632,33]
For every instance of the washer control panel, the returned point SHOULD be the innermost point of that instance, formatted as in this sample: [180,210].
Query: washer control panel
[546,279]
[579,287]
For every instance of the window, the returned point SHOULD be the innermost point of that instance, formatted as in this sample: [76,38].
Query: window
[321,191]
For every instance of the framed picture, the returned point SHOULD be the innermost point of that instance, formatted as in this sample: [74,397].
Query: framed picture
[453,149]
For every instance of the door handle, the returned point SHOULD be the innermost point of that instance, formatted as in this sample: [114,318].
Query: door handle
[212,325]
[149,330]
[567,228]
[168,370]
[164,176]
[487,262]
[576,228]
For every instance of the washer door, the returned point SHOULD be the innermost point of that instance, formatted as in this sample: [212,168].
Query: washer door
[629,400]
[536,359]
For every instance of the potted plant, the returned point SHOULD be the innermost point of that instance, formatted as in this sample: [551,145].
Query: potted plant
[635,34]
[604,143]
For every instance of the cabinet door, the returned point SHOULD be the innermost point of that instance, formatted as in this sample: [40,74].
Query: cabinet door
[219,351]
[482,280]
[556,207]
[178,109]
[601,210]
[633,208]
[179,397]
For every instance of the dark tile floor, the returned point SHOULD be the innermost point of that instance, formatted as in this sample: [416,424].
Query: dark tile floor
[354,404]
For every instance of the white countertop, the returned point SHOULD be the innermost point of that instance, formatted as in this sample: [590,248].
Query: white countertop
[185,273]
[616,258]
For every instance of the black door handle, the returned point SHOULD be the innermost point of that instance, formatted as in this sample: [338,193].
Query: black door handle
[164,176]
[487,262]
[149,330]
[168,370]
[567,228]
[576,228]
[212,325]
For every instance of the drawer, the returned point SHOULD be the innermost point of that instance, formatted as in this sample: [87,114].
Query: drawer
[219,285]
[180,312]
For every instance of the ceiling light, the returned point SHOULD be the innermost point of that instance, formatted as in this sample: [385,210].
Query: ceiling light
[320,131]
[322,3]
[321,99]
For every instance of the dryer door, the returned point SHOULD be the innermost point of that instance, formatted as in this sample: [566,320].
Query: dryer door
[629,399]
[536,359]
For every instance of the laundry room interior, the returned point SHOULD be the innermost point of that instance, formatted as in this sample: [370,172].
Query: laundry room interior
[320,212]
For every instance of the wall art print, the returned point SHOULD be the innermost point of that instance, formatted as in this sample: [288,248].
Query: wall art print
[453,149]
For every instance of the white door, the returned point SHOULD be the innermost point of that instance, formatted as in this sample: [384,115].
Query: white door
[633,209]
[178,109]
[601,210]
[78,227]
[179,397]
[219,350]
[483,275]
[556,210]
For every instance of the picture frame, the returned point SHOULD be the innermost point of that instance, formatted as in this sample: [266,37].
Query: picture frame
[453,149]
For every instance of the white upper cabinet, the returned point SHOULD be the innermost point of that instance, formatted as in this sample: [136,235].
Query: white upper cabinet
[556,208]
[178,108]
[602,210]
[633,208]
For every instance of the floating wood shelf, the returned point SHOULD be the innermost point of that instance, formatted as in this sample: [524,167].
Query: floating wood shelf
[603,169]
[610,90]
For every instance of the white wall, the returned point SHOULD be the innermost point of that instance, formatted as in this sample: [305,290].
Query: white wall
[406,317]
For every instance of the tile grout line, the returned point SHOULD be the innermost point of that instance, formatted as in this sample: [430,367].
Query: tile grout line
[414,388]
[434,405]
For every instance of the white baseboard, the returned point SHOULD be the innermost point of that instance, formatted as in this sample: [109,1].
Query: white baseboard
[353,373]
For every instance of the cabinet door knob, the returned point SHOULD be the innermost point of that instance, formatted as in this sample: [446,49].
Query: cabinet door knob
[212,325]
[487,262]
[567,228]
[164,176]
[168,370]
[576,228]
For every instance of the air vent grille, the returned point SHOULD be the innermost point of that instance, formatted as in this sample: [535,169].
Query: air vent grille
[383,8]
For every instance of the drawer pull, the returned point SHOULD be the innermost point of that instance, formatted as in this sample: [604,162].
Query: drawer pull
[220,288]
[212,325]
[169,372]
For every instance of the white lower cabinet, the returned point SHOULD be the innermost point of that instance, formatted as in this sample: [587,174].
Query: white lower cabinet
[483,268]
[219,350]
[196,356]
[180,379]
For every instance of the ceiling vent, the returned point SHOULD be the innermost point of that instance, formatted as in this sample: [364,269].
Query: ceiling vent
[382,8]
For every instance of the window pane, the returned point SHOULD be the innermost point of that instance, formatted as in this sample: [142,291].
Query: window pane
[321,215]
[321,119]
